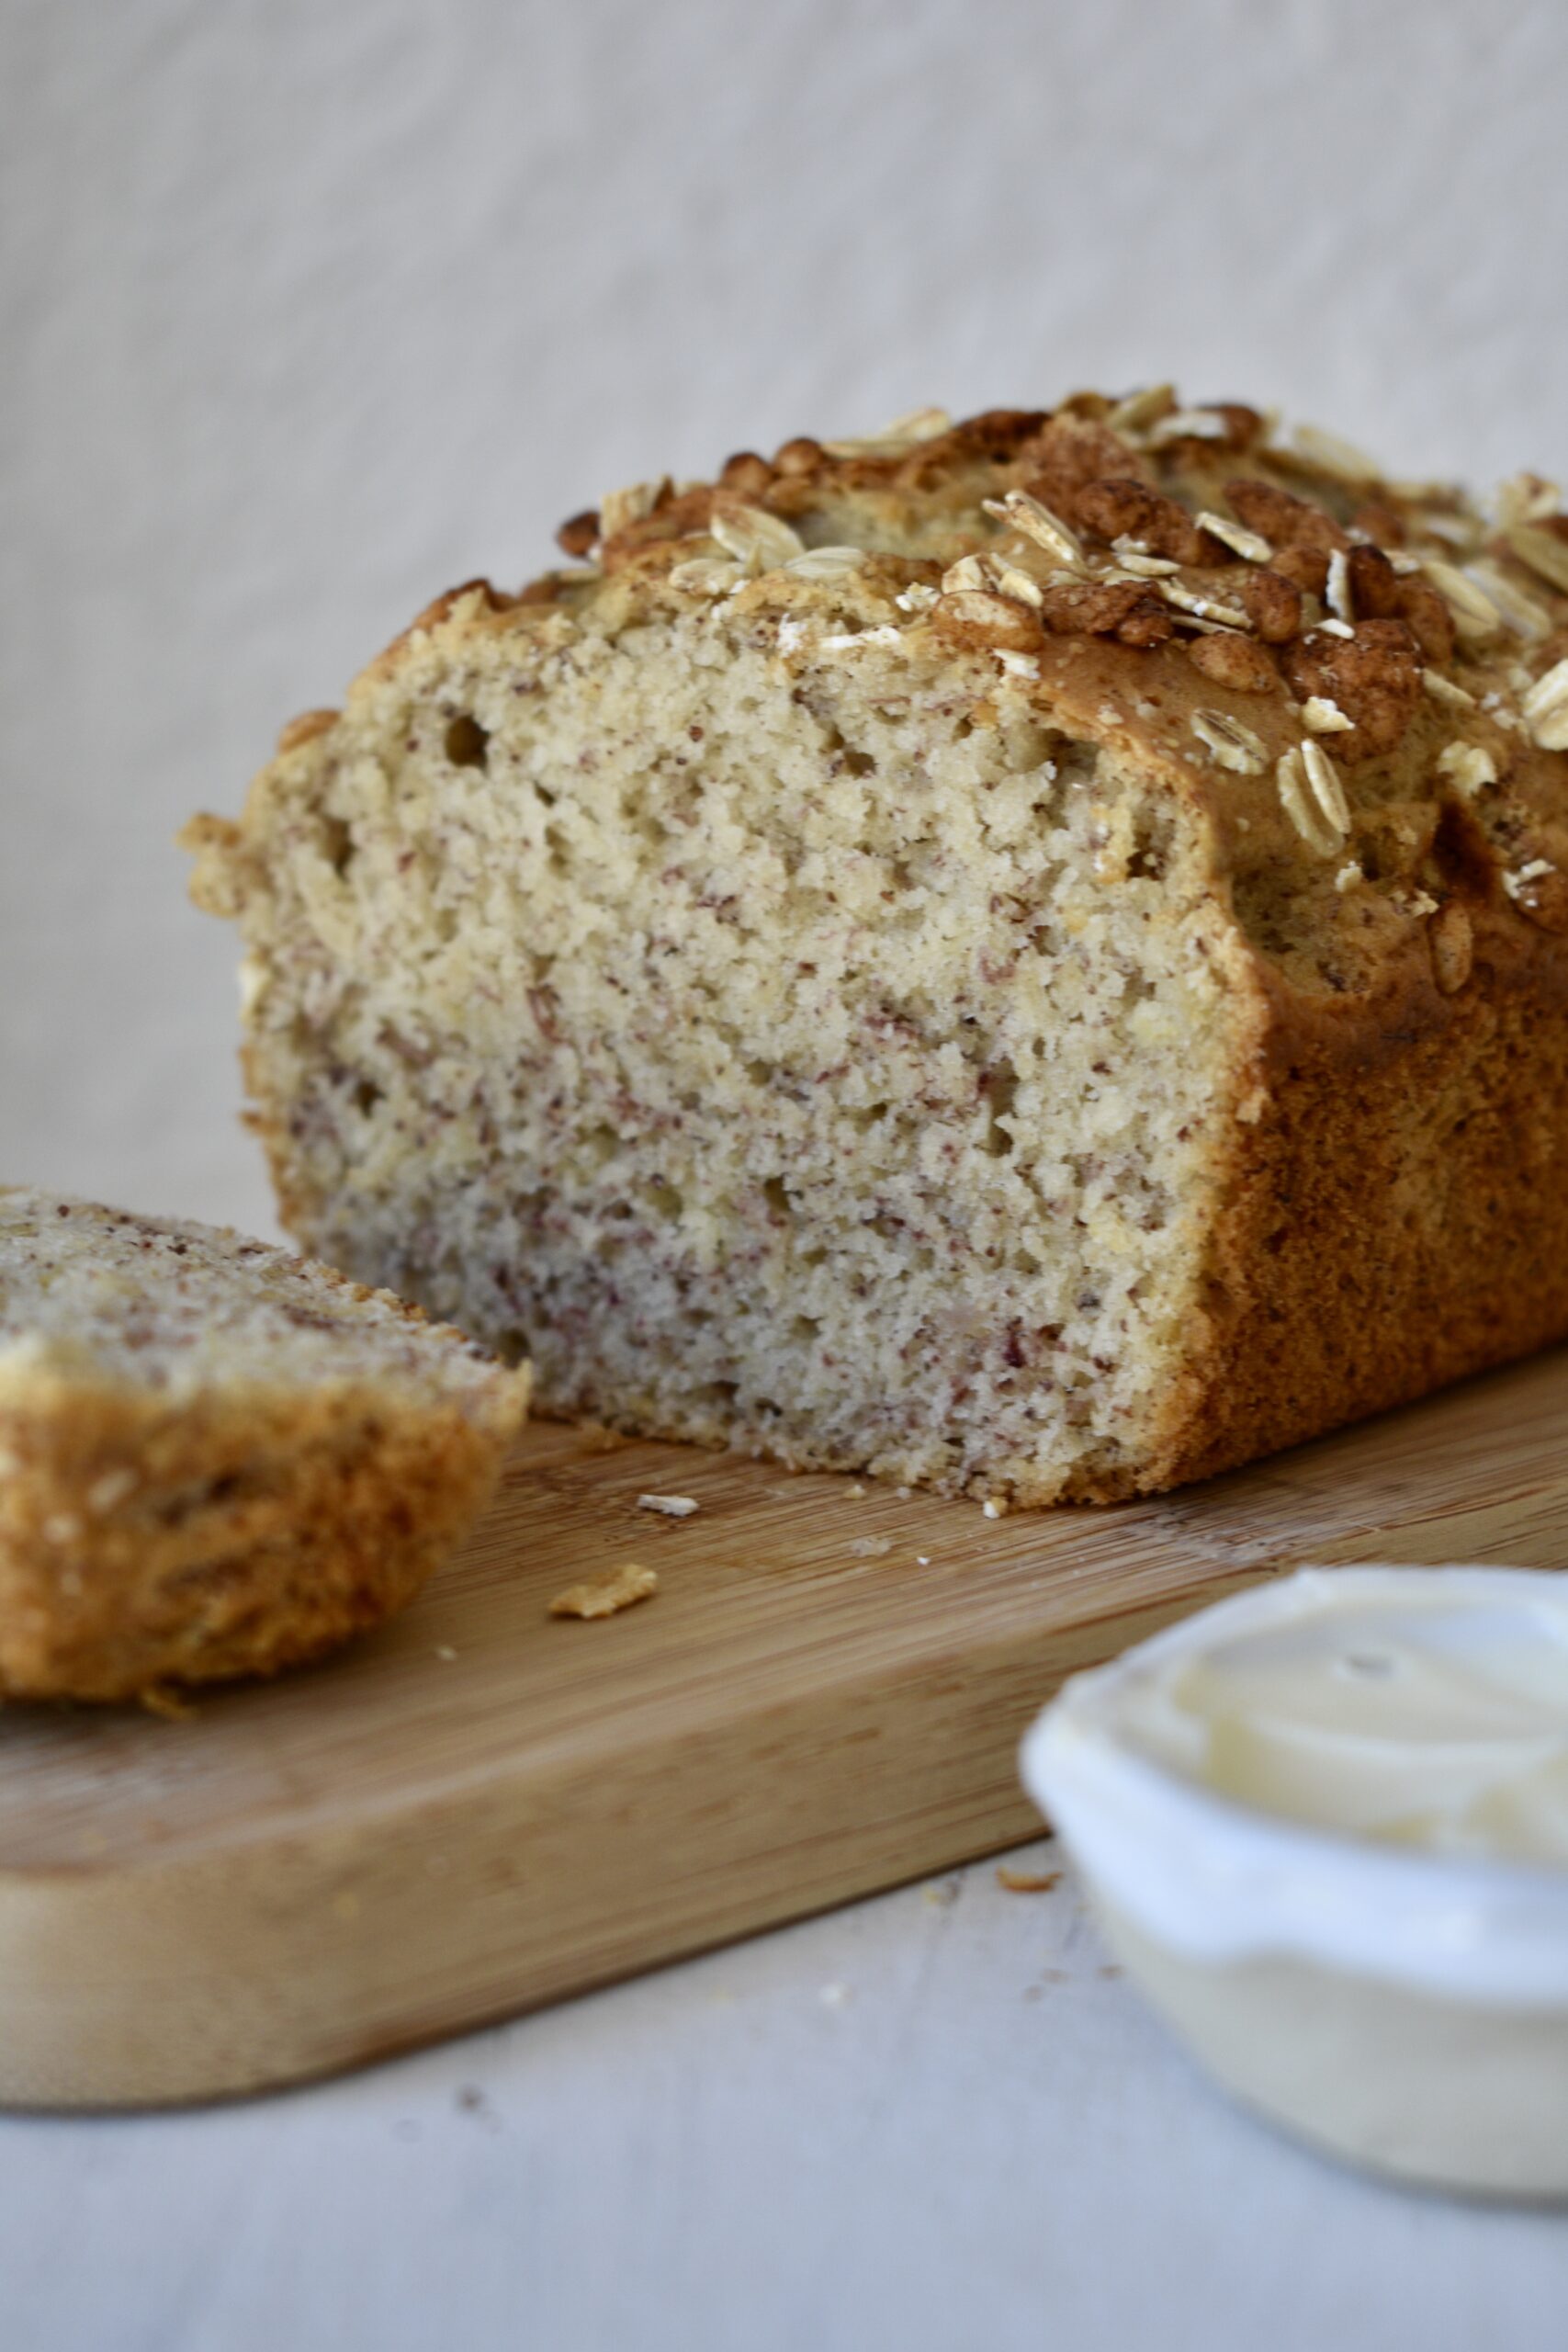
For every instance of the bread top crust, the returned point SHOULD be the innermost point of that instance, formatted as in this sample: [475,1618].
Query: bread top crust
[97,1299]
[1361,685]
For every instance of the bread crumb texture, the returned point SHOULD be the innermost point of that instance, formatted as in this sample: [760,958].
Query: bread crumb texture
[216,1459]
[603,1596]
[1026,956]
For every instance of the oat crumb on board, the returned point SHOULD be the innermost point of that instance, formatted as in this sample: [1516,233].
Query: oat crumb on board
[601,1596]
[870,1547]
[668,1506]
[1027,1881]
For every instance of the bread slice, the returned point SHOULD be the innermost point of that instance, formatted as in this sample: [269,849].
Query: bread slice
[215,1458]
[1028,955]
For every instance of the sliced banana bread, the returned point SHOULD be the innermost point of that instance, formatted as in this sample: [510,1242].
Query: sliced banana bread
[215,1458]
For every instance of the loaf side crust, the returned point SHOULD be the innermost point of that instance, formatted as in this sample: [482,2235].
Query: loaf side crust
[1398,1218]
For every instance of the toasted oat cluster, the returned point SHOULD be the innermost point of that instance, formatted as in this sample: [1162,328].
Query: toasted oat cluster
[1028,955]
[215,1459]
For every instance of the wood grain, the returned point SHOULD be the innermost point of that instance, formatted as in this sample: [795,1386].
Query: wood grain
[304,1875]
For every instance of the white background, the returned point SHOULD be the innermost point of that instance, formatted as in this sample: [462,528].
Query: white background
[311,309]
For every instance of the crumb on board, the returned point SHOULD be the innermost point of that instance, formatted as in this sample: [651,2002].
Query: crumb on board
[668,1506]
[870,1547]
[1027,1881]
[159,1700]
[595,1437]
[856,1492]
[992,1509]
[601,1596]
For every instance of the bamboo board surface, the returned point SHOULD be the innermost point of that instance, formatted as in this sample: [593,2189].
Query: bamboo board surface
[482,1808]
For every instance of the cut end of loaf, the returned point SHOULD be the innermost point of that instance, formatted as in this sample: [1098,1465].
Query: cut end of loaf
[802,1048]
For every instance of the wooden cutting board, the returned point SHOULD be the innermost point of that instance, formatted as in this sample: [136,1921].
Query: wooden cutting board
[483,1808]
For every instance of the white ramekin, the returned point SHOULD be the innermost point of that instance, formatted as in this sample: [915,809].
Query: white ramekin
[1405,2008]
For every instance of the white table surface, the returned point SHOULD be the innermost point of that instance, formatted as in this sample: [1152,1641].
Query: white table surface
[311,311]
[936,2122]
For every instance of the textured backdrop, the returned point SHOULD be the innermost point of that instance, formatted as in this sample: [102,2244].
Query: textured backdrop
[310,309]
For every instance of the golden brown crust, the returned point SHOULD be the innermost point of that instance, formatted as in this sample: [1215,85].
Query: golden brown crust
[259,1532]
[1400,1218]
[306,727]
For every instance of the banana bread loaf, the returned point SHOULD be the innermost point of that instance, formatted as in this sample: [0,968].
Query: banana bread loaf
[215,1459]
[1029,956]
